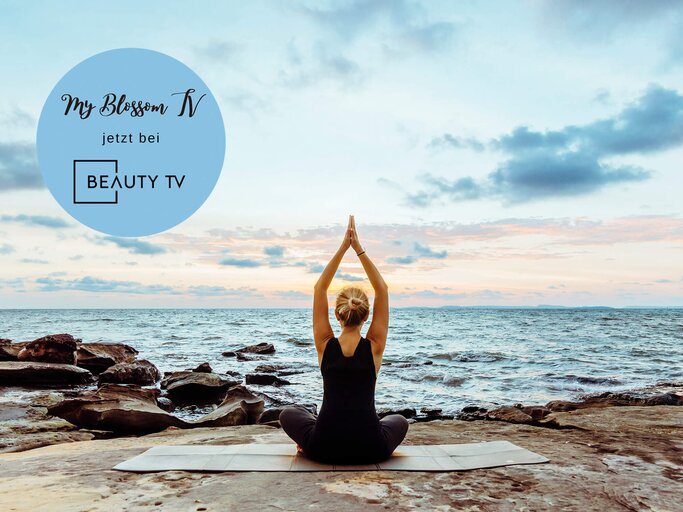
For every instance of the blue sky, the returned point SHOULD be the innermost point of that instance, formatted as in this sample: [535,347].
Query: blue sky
[493,153]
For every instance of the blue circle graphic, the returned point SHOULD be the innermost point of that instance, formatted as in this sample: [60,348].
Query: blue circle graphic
[131,142]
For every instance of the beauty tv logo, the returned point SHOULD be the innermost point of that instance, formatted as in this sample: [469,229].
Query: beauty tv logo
[131,142]
[99,182]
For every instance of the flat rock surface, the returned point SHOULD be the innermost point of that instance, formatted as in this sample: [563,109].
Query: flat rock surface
[619,458]
[13,373]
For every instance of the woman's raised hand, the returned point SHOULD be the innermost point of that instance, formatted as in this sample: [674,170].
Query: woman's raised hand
[348,236]
[355,243]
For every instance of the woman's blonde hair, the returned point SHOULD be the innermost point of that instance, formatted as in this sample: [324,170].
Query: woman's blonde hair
[352,305]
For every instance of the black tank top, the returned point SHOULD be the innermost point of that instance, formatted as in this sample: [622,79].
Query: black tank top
[348,429]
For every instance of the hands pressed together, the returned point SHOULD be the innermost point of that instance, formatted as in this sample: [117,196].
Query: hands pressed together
[351,237]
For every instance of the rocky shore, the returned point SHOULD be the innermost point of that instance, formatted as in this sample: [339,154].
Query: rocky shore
[101,404]
[601,458]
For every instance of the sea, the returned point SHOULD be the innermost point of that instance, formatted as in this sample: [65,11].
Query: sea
[443,358]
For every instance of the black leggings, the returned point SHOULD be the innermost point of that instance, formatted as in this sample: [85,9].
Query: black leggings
[298,422]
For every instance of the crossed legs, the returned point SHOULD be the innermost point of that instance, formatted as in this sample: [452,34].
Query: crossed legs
[298,423]
[394,430]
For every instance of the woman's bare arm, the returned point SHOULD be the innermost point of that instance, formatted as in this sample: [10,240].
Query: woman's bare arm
[379,327]
[322,330]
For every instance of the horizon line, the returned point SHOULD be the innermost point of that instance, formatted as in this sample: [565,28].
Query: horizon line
[444,306]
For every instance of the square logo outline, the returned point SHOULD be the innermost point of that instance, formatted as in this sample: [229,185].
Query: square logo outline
[116,192]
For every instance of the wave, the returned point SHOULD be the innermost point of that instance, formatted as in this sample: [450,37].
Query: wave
[584,379]
[453,380]
[299,342]
[471,357]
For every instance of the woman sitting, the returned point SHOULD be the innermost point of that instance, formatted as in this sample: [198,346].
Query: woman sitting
[348,430]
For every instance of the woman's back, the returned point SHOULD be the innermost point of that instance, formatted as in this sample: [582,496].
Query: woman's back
[348,426]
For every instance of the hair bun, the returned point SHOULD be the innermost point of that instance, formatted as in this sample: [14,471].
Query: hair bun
[355,302]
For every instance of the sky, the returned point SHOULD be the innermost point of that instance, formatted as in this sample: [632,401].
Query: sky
[493,153]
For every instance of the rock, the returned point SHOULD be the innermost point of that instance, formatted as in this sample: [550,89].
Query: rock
[472,409]
[408,412]
[195,387]
[124,409]
[97,357]
[166,404]
[30,373]
[265,379]
[628,460]
[55,348]
[431,414]
[266,368]
[203,368]
[240,407]
[140,372]
[270,416]
[510,415]
[281,370]
[536,412]
[24,427]
[233,373]
[300,342]
[259,348]
[9,350]
[239,355]
[610,399]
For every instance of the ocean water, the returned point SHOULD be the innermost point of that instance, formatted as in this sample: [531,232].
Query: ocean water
[435,357]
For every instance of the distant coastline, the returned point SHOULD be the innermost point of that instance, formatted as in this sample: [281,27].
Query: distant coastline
[445,306]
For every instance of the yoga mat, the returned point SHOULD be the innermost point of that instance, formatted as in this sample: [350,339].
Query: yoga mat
[283,457]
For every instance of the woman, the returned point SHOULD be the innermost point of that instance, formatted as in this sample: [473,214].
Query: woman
[347,430]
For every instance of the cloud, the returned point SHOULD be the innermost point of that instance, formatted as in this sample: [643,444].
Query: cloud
[16,283]
[549,175]
[421,251]
[457,190]
[246,102]
[91,284]
[222,291]
[316,268]
[94,284]
[36,220]
[350,19]
[600,20]
[274,250]
[239,262]
[324,63]
[16,118]
[448,140]
[425,252]
[363,29]
[402,260]
[19,167]
[348,277]
[135,246]
[6,249]
[429,37]
[434,294]
[292,294]
[573,160]
[34,261]
[401,25]
[218,50]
